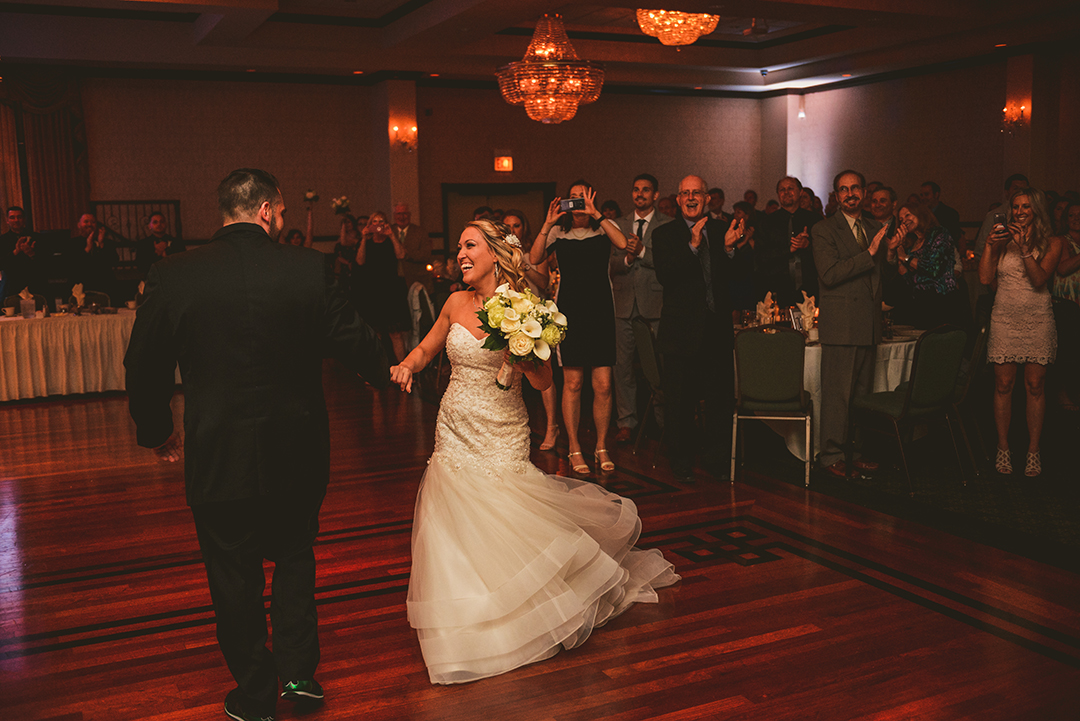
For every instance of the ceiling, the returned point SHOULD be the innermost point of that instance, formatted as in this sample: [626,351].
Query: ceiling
[809,43]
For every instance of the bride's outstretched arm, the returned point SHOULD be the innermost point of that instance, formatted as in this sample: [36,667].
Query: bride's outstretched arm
[422,354]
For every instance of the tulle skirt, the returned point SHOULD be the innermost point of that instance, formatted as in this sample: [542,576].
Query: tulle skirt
[510,567]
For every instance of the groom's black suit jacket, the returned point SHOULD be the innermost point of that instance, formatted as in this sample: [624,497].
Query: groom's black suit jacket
[249,321]
[683,318]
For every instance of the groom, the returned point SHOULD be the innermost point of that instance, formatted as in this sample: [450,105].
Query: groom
[249,321]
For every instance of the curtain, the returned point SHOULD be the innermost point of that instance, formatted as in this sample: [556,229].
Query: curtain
[10,183]
[55,144]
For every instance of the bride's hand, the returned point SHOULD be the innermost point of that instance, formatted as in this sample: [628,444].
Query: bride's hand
[401,375]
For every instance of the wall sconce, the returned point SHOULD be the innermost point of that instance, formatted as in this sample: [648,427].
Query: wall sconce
[504,163]
[1013,118]
[405,137]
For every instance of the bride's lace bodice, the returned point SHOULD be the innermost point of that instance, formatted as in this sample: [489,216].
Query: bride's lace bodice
[480,425]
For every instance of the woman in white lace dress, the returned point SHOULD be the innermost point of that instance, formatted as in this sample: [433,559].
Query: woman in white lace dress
[1020,257]
[509,564]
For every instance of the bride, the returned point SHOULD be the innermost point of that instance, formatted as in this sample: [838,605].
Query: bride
[510,565]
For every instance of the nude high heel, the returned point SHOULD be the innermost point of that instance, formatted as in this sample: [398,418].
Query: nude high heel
[606,466]
[546,446]
[581,469]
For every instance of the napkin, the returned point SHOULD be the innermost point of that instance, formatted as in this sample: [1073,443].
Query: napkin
[807,308]
[765,310]
[25,294]
[78,295]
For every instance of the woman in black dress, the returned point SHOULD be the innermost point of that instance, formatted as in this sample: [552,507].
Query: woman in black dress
[379,289]
[581,241]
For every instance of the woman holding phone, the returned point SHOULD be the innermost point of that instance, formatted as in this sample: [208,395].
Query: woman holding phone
[1021,256]
[380,289]
[581,239]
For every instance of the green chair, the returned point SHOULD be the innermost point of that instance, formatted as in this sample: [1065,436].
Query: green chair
[769,383]
[927,395]
[650,367]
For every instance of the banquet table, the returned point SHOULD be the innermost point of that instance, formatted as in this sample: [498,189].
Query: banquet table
[63,355]
[892,366]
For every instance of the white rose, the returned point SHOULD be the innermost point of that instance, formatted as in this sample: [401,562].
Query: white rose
[509,326]
[531,328]
[521,344]
[542,350]
[521,304]
[511,314]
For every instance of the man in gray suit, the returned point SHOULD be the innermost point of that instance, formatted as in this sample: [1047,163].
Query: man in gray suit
[850,254]
[637,293]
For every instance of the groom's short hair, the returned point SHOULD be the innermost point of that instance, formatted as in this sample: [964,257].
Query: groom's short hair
[244,191]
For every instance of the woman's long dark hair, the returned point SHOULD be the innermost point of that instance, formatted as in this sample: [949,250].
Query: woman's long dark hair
[566,220]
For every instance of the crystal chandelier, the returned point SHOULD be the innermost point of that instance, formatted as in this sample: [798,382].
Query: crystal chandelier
[676,28]
[551,81]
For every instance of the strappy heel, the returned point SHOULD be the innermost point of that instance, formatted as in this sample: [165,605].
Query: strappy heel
[606,466]
[1003,462]
[545,446]
[581,469]
[1033,467]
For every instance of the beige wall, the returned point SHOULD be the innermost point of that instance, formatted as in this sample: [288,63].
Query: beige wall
[167,140]
[943,127]
[607,143]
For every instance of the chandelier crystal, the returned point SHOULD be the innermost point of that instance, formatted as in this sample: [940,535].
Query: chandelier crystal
[551,81]
[676,28]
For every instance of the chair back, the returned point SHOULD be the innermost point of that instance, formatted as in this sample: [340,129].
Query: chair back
[12,301]
[769,364]
[970,366]
[934,369]
[646,347]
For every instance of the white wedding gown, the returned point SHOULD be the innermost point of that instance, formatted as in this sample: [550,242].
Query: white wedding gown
[509,564]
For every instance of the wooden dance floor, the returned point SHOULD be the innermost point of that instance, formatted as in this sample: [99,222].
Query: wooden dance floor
[792,605]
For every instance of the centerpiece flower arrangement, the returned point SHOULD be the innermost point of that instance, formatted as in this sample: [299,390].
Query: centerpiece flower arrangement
[528,326]
[340,205]
[311,197]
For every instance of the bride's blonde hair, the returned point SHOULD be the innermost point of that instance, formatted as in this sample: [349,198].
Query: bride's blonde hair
[508,258]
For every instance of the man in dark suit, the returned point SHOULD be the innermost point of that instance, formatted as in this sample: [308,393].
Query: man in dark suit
[930,195]
[850,253]
[785,263]
[692,256]
[637,294]
[249,320]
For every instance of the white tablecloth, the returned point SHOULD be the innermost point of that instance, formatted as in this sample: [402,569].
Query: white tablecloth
[63,354]
[892,366]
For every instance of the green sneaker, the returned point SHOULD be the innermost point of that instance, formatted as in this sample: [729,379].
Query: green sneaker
[298,690]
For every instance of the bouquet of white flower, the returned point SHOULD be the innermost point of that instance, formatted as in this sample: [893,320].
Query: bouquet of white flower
[340,205]
[528,326]
[311,196]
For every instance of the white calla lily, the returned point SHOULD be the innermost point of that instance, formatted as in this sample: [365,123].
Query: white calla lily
[531,328]
[559,319]
[542,350]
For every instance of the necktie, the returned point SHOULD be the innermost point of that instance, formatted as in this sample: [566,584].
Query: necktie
[640,227]
[706,269]
[860,235]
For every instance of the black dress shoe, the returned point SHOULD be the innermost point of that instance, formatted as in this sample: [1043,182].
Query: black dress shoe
[238,707]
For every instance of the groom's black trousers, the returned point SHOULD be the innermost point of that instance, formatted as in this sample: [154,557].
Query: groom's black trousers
[235,537]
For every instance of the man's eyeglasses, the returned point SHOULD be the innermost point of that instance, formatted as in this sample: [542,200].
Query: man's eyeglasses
[692,193]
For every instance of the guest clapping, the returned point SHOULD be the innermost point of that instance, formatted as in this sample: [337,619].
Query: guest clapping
[1021,255]
[93,256]
[157,244]
[581,240]
[381,291]
[1067,280]
[925,260]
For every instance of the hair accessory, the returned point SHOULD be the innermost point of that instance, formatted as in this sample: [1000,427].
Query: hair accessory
[512,239]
